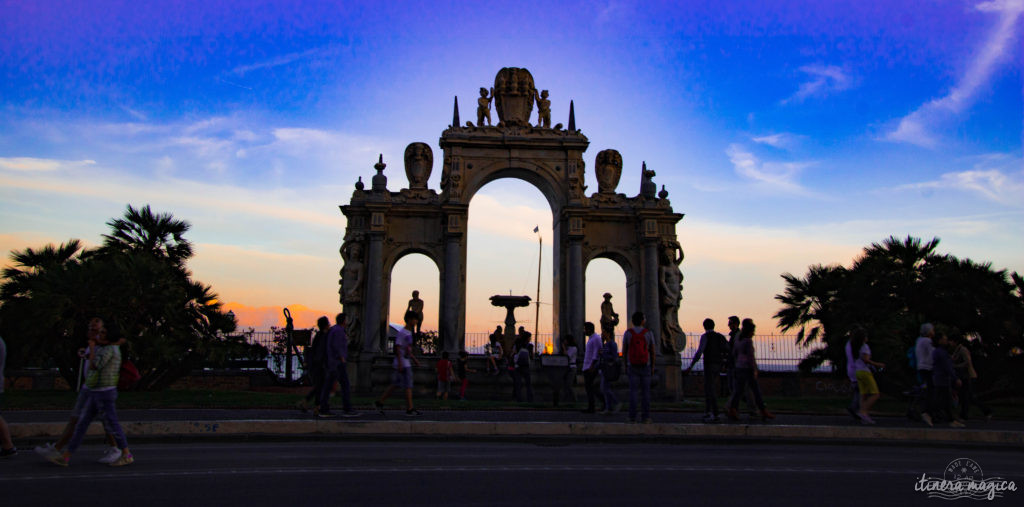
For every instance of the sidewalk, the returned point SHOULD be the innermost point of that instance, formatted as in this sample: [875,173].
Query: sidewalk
[39,425]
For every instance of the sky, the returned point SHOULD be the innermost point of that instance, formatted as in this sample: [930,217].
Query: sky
[788,133]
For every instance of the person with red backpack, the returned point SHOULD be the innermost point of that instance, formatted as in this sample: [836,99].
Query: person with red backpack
[638,349]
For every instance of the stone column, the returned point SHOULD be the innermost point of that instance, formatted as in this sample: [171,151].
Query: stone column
[453,285]
[374,294]
[651,303]
[575,296]
[453,292]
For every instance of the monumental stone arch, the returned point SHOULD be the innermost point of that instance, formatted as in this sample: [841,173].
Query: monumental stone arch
[638,232]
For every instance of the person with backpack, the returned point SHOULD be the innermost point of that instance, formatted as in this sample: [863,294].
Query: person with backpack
[714,348]
[522,372]
[638,349]
[745,368]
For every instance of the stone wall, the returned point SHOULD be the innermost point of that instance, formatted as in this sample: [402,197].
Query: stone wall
[481,386]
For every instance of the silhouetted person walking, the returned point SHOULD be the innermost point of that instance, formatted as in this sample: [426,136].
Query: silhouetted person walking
[337,370]
[402,376]
[745,365]
[923,349]
[591,353]
[7,448]
[316,364]
[863,364]
[713,348]
[963,363]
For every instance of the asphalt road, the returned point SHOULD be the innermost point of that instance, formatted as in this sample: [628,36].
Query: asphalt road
[495,473]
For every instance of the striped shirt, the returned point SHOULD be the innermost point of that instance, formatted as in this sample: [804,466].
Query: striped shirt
[105,369]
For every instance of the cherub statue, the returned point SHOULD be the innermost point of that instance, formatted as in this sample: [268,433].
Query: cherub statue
[543,109]
[483,108]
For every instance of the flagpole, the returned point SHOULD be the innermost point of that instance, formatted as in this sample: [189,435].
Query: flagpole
[536,318]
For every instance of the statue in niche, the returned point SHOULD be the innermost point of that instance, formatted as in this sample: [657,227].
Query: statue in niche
[352,273]
[609,319]
[354,330]
[608,168]
[419,161]
[670,280]
[543,110]
[416,306]
[483,108]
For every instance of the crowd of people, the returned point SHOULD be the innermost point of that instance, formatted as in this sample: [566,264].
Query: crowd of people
[942,359]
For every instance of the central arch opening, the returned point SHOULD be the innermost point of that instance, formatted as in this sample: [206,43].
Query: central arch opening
[605,276]
[502,257]
[414,272]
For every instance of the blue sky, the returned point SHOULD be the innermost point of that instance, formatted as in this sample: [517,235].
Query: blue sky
[789,133]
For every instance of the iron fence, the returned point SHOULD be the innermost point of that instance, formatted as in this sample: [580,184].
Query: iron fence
[774,352]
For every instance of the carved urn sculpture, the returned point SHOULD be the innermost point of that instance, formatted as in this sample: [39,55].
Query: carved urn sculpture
[514,94]
[608,166]
[419,160]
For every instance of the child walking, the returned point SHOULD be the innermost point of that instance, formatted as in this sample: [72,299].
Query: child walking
[444,376]
[461,371]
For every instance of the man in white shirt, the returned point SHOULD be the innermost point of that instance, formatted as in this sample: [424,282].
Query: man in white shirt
[590,369]
[404,359]
[923,349]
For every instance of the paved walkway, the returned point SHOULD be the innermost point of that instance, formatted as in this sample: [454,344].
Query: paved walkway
[36,425]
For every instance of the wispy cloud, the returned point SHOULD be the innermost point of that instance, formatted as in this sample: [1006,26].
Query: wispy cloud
[302,204]
[233,147]
[278,61]
[782,140]
[29,164]
[823,80]
[780,176]
[917,127]
[991,178]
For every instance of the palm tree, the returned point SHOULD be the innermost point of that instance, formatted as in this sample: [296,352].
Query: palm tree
[893,288]
[809,301]
[141,230]
[41,300]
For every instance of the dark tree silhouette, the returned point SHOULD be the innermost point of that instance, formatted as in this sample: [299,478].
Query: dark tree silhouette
[893,288]
[136,281]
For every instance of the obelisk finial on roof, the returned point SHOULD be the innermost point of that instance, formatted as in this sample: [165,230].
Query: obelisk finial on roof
[572,117]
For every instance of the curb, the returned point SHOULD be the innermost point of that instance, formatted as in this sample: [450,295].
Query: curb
[169,429]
